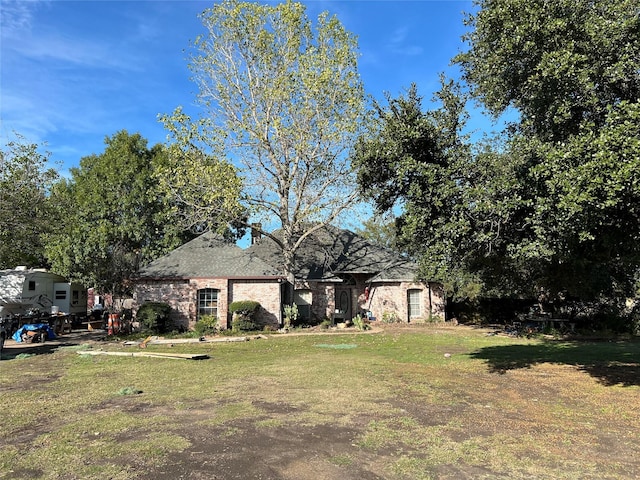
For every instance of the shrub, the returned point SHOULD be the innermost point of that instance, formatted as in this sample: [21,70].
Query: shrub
[206,325]
[244,307]
[360,323]
[244,315]
[390,317]
[242,323]
[154,316]
[326,324]
[290,315]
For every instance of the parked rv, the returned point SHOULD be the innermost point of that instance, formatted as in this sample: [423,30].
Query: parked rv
[37,292]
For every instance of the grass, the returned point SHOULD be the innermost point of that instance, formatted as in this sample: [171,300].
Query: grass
[417,403]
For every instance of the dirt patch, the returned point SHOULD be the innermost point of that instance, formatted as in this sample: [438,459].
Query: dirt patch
[239,450]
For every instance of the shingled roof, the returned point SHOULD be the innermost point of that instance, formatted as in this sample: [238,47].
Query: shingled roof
[330,252]
[208,256]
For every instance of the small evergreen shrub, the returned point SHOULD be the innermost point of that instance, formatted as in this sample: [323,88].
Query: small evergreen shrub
[244,307]
[244,312]
[206,325]
[243,324]
[154,316]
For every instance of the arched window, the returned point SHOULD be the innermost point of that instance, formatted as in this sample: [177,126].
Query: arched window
[208,302]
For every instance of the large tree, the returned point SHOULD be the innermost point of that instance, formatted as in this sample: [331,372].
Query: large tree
[26,214]
[551,208]
[454,203]
[113,218]
[570,69]
[282,98]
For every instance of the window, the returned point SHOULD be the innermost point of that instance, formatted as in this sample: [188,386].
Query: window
[32,284]
[303,300]
[414,298]
[61,295]
[207,302]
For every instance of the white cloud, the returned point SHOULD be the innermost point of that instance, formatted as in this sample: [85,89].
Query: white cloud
[16,16]
[399,45]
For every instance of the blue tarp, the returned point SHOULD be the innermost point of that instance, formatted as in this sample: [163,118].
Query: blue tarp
[31,327]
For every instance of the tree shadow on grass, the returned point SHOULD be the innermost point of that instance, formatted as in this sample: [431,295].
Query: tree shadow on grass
[611,362]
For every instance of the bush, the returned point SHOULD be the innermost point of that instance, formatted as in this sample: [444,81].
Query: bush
[326,324]
[290,315]
[244,315]
[154,316]
[206,325]
[390,317]
[242,323]
[244,307]
[360,323]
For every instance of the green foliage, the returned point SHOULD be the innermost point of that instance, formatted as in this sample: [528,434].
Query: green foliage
[574,229]
[549,209]
[27,214]
[290,315]
[244,307]
[282,96]
[360,323]
[201,190]
[243,323]
[154,316]
[380,230]
[561,64]
[114,221]
[206,325]
[244,312]
[326,324]
[390,317]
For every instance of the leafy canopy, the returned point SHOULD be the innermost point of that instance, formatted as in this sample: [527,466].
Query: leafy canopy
[549,208]
[26,212]
[281,97]
[114,219]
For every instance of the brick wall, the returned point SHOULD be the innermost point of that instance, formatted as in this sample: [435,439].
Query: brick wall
[389,297]
[266,292]
[182,295]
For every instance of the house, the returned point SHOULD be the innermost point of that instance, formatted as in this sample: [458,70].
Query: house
[204,276]
[23,290]
[338,275]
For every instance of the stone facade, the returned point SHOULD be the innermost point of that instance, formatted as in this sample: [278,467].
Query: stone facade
[380,299]
[392,298]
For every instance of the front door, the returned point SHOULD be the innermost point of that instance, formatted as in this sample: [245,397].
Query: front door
[343,303]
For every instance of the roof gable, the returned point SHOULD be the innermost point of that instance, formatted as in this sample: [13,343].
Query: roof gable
[330,252]
[208,255]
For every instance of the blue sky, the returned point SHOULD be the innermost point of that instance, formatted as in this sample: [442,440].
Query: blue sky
[74,72]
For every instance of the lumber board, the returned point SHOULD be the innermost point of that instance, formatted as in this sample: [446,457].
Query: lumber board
[177,356]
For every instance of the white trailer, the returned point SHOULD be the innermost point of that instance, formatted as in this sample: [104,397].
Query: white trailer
[25,290]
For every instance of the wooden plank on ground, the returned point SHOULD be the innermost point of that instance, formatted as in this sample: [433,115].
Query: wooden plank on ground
[177,356]
[176,341]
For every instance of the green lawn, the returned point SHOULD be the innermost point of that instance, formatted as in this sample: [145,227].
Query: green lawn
[414,403]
